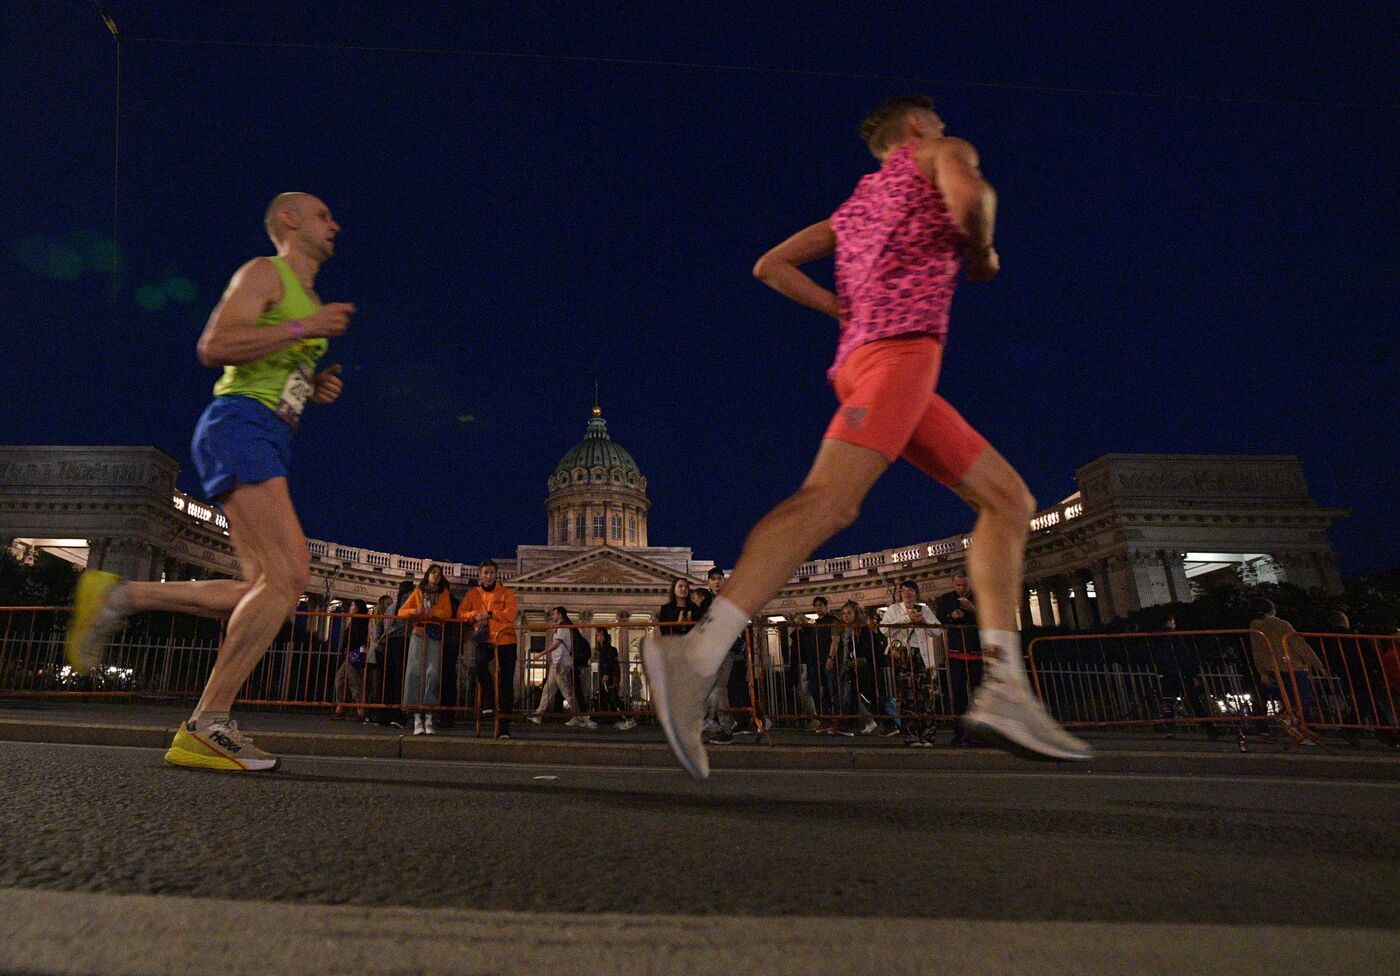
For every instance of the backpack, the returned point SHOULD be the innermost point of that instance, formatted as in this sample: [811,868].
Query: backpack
[583,651]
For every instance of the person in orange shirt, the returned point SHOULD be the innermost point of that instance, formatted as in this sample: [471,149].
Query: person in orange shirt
[422,674]
[492,603]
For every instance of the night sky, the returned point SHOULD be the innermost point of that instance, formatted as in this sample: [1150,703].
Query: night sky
[1198,215]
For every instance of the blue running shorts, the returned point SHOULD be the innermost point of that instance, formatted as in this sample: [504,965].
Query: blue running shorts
[238,441]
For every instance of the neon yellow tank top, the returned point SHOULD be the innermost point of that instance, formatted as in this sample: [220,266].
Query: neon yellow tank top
[264,379]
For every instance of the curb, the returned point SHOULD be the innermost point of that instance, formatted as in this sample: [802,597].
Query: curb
[453,748]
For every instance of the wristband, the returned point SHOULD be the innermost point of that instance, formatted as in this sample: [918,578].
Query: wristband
[295,326]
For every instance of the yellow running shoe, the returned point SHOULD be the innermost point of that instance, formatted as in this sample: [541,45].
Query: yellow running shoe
[93,620]
[220,746]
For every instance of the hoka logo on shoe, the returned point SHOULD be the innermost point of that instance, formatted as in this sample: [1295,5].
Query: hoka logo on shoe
[224,741]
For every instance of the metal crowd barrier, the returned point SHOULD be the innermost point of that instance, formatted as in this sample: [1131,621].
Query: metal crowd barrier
[908,680]
[1345,683]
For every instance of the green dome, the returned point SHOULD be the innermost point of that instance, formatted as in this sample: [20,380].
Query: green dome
[596,450]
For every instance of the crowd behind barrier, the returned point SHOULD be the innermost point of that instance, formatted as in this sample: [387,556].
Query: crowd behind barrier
[908,681]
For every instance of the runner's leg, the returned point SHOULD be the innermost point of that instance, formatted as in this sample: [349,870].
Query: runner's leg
[265,527]
[996,557]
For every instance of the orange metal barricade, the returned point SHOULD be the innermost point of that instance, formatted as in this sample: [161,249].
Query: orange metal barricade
[1345,683]
[782,674]
[1205,678]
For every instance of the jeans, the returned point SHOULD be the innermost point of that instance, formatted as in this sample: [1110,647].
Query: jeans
[422,680]
[840,691]
[717,701]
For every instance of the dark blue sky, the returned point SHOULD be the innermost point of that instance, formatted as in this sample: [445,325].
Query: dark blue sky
[1213,274]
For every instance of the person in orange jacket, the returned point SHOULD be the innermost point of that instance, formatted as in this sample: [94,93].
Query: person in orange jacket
[493,604]
[422,674]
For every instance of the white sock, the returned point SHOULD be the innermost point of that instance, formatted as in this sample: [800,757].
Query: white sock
[716,634]
[119,600]
[1008,665]
[202,720]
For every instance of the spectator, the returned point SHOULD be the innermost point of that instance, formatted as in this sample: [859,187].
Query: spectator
[354,647]
[395,648]
[958,610]
[559,653]
[957,607]
[877,681]
[827,627]
[1179,669]
[701,598]
[610,680]
[719,720]
[490,607]
[583,660]
[804,669]
[914,654]
[422,675]
[677,615]
[901,623]
[375,653]
[1268,643]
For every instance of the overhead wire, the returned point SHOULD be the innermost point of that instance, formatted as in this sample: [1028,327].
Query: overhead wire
[753,69]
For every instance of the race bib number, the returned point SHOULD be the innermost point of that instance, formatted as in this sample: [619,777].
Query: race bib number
[294,396]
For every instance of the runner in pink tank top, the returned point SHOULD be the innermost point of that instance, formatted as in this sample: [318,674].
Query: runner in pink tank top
[899,242]
[898,251]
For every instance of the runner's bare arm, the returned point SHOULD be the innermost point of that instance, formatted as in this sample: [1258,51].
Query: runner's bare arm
[779,268]
[953,164]
[233,336]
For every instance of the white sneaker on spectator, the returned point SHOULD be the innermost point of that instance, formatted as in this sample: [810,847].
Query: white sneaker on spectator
[1008,714]
[584,722]
[626,724]
[574,723]
[428,725]
[417,724]
[870,726]
[678,695]
[711,726]
[536,719]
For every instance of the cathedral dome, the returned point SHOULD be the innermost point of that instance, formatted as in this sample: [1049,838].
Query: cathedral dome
[597,494]
[596,450]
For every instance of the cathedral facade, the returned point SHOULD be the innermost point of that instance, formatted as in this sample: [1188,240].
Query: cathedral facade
[1141,530]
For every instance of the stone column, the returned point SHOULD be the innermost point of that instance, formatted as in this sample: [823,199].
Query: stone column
[1123,584]
[1103,591]
[127,558]
[1044,602]
[1174,568]
[1083,606]
[1026,619]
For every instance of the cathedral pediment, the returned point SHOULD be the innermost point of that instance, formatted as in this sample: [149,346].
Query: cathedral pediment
[603,566]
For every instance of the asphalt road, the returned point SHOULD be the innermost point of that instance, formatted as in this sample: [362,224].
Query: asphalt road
[1033,845]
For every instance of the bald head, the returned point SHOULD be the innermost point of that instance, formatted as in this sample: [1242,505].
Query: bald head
[295,203]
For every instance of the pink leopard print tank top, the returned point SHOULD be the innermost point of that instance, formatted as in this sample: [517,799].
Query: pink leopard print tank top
[897,256]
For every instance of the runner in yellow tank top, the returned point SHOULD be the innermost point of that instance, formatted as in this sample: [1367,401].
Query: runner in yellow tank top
[267,332]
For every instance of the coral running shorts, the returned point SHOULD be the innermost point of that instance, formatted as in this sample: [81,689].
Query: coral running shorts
[888,404]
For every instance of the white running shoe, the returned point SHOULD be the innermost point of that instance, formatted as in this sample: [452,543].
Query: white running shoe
[584,722]
[870,727]
[417,724]
[428,725]
[1010,716]
[627,724]
[536,719]
[678,694]
[575,722]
